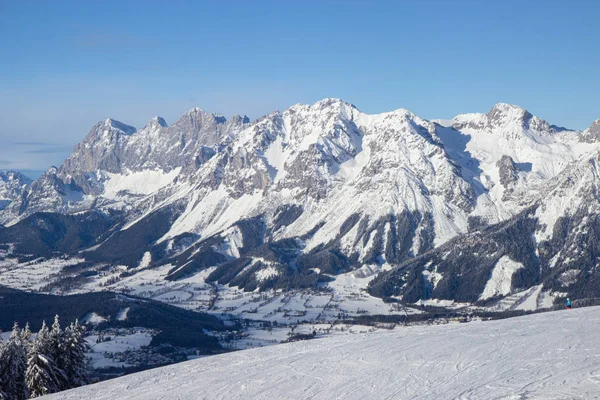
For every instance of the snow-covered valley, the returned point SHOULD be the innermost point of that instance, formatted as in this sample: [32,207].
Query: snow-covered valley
[270,317]
[544,356]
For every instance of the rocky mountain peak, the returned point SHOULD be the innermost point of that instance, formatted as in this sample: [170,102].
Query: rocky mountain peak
[8,175]
[157,123]
[592,134]
[239,119]
[332,102]
[12,185]
[504,115]
[196,119]
[114,124]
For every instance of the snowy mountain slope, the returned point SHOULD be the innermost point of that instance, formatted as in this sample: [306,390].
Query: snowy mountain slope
[316,190]
[550,355]
[12,185]
[336,167]
[553,242]
[509,155]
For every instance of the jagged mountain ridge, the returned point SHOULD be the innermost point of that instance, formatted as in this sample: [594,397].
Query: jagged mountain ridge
[12,185]
[309,192]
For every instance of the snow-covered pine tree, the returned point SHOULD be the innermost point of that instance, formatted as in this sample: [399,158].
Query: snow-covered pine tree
[42,339]
[14,366]
[26,337]
[74,354]
[56,341]
[56,351]
[42,377]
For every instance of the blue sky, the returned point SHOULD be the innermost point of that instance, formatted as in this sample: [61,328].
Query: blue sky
[66,65]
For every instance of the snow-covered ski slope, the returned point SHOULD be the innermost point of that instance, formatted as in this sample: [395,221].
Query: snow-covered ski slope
[544,356]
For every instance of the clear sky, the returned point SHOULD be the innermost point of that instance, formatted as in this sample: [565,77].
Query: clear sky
[66,65]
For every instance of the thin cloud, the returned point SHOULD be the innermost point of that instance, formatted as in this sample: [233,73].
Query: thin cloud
[50,150]
[34,144]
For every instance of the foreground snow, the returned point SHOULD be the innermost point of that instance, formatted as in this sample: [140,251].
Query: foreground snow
[551,356]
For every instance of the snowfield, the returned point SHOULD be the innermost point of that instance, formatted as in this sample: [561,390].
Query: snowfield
[544,356]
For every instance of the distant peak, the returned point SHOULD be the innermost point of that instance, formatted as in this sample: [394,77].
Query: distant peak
[595,128]
[220,118]
[197,113]
[502,113]
[592,134]
[12,175]
[240,119]
[157,122]
[196,110]
[112,123]
[331,102]
[507,106]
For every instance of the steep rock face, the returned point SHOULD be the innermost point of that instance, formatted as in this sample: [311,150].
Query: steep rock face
[113,147]
[507,171]
[182,144]
[101,149]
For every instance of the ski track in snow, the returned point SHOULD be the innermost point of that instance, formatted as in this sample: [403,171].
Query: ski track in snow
[544,356]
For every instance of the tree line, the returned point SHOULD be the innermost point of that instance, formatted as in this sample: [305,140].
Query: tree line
[51,361]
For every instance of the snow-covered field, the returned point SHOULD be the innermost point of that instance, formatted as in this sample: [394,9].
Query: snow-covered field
[100,353]
[32,275]
[544,356]
[276,315]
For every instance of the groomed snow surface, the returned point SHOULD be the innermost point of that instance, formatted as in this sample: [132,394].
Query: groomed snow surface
[544,356]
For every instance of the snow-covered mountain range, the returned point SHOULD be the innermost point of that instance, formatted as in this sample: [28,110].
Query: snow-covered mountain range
[467,209]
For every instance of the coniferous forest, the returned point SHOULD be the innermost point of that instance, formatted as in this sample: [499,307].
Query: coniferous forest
[47,362]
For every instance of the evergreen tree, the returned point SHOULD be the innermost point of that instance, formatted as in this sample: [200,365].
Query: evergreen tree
[14,366]
[26,335]
[42,339]
[74,355]
[55,361]
[56,342]
[55,349]
[42,377]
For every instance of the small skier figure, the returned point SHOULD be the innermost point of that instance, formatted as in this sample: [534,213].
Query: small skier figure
[568,304]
